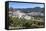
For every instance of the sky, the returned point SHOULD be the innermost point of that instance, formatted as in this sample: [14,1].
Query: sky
[24,5]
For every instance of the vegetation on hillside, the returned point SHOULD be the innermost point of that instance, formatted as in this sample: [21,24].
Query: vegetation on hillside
[19,22]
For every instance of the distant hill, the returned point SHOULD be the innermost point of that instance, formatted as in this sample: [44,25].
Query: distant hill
[27,10]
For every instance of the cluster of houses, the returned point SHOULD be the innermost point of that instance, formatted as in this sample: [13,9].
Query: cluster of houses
[27,16]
